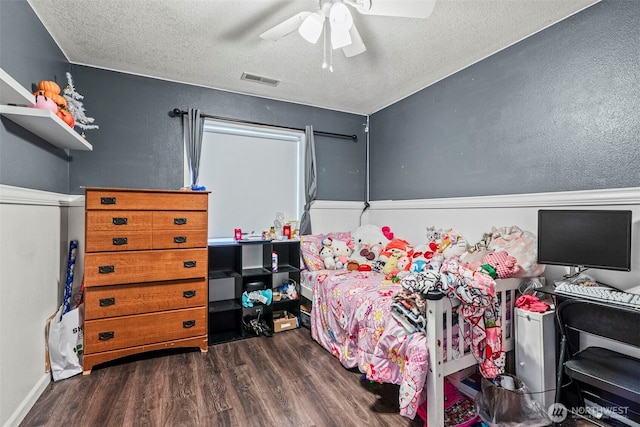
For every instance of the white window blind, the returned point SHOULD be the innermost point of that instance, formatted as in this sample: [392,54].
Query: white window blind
[253,173]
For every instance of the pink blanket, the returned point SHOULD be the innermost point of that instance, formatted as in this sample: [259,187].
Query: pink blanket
[351,318]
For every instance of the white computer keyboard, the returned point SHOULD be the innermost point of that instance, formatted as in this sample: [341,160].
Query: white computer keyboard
[598,293]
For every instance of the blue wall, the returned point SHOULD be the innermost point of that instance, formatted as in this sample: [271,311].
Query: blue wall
[29,55]
[558,111]
[138,145]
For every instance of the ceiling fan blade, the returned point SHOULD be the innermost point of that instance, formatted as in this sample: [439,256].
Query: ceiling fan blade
[401,8]
[357,45]
[285,27]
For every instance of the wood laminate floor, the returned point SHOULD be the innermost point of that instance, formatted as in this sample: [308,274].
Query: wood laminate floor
[286,380]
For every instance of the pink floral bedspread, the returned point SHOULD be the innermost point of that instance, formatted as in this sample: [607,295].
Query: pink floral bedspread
[351,318]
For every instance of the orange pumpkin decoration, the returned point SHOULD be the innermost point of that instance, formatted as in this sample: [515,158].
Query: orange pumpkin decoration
[58,99]
[50,86]
[66,116]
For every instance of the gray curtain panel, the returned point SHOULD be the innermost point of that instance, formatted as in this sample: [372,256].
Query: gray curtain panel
[310,180]
[193,130]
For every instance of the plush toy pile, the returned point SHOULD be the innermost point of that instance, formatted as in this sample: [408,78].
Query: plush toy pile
[444,263]
[502,253]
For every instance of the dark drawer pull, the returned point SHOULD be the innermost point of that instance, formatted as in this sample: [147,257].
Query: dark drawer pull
[119,221]
[189,294]
[180,239]
[117,241]
[106,302]
[104,336]
[189,264]
[188,324]
[107,200]
[105,269]
[179,221]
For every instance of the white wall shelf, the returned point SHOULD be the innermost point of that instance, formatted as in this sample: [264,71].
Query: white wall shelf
[42,123]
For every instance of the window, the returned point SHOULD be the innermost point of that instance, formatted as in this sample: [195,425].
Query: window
[253,174]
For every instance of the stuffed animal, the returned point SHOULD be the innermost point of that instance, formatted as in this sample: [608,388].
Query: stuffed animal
[395,249]
[420,257]
[453,244]
[504,264]
[392,262]
[327,255]
[45,103]
[434,234]
[520,244]
[404,263]
[342,250]
[368,242]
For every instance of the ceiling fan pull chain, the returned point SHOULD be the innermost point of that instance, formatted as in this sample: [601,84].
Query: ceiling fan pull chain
[327,51]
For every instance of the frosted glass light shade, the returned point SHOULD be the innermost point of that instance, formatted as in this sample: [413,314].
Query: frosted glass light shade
[340,38]
[311,27]
[340,17]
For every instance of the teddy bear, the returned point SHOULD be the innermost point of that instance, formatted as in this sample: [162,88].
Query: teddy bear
[342,250]
[505,265]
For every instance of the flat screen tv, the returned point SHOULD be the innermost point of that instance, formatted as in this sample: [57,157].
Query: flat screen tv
[585,238]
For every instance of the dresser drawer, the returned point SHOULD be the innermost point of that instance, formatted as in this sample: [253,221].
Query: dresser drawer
[119,220]
[179,239]
[180,220]
[113,268]
[122,300]
[106,199]
[142,329]
[100,241]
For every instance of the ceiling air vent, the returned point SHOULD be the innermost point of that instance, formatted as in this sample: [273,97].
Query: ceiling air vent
[259,79]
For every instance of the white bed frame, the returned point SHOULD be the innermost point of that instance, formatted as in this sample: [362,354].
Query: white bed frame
[439,367]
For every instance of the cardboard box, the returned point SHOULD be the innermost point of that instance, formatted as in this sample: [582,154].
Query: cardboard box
[283,323]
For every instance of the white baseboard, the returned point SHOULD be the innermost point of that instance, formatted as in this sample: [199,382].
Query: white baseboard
[27,403]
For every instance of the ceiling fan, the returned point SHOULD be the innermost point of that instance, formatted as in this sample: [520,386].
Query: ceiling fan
[333,19]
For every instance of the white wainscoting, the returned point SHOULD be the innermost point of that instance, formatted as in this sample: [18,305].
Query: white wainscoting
[36,227]
[35,234]
[473,216]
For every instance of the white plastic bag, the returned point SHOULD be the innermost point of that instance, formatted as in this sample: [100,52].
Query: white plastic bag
[66,343]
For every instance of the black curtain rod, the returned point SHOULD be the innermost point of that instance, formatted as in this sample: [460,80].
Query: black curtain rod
[177,112]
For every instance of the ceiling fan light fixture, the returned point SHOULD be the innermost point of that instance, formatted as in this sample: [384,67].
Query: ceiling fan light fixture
[311,27]
[340,17]
[340,38]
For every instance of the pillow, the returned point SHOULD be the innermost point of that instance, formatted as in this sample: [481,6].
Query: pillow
[339,235]
[310,246]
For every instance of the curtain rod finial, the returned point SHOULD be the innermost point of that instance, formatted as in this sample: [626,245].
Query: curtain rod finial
[176,112]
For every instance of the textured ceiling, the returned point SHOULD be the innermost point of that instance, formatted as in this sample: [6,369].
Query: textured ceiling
[211,43]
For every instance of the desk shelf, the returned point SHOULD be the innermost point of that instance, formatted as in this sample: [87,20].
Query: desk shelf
[43,123]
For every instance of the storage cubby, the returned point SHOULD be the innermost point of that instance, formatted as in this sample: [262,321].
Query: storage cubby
[236,267]
[225,288]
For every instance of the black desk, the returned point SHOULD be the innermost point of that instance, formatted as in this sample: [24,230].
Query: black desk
[616,322]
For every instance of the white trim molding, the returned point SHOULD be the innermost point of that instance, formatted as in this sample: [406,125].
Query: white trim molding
[11,195]
[336,204]
[613,196]
[25,406]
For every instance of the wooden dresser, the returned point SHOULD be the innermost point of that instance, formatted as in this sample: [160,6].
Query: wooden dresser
[145,272]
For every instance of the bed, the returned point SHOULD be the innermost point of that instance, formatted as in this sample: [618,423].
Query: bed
[351,319]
